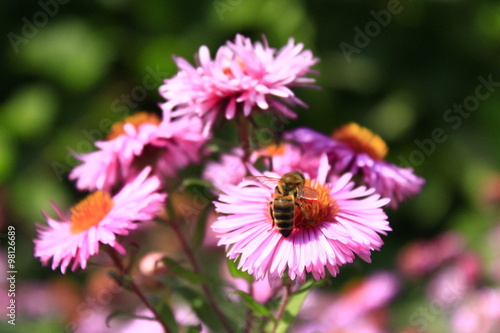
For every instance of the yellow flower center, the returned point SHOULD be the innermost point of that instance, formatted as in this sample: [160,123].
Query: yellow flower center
[136,120]
[90,211]
[322,210]
[361,140]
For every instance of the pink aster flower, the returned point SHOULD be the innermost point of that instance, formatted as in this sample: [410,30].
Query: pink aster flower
[98,219]
[357,150]
[346,221]
[243,78]
[139,140]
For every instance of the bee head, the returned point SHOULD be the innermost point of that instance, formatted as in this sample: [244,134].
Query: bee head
[292,180]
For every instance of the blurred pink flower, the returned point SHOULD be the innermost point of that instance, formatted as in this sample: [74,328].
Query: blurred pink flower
[354,309]
[243,78]
[493,261]
[142,325]
[282,158]
[139,140]
[453,282]
[287,157]
[93,320]
[31,294]
[184,316]
[347,221]
[96,220]
[151,264]
[230,169]
[479,313]
[421,257]
[357,150]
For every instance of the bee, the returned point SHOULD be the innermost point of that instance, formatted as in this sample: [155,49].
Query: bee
[288,192]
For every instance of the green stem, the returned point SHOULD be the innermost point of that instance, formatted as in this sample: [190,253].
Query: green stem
[119,264]
[244,133]
[196,268]
[250,316]
[284,303]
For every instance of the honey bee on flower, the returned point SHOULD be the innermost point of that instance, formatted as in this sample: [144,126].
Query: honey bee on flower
[288,192]
[343,221]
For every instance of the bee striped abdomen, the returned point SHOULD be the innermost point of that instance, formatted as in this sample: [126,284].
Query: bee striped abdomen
[283,214]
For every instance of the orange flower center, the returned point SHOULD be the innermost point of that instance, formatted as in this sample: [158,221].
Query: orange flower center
[136,120]
[90,211]
[322,210]
[226,68]
[361,140]
[273,150]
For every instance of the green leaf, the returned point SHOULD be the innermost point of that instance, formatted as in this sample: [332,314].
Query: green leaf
[117,313]
[294,305]
[309,284]
[188,182]
[202,309]
[167,316]
[182,272]
[121,280]
[170,209]
[192,329]
[235,272]
[255,306]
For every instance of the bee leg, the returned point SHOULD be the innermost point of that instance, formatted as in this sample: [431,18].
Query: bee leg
[305,213]
[272,217]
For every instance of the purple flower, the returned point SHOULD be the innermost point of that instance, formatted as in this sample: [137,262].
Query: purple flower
[357,150]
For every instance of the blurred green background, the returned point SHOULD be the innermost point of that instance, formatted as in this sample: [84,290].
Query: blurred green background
[70,70]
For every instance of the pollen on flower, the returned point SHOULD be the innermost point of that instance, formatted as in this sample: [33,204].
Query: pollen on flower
[136,120]
[362,140]
[90,211]
[320,211]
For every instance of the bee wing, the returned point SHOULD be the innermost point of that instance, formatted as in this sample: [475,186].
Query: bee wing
[307,193]
[266,181]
